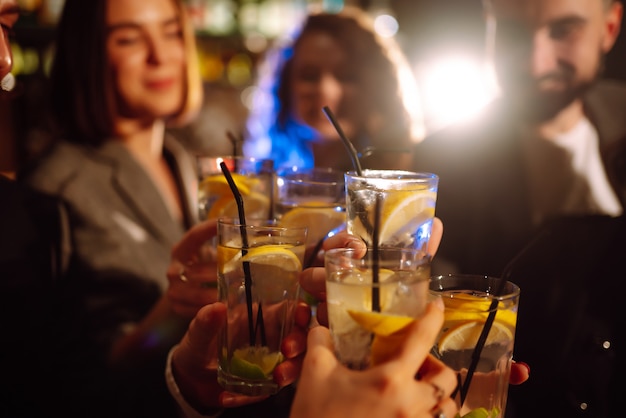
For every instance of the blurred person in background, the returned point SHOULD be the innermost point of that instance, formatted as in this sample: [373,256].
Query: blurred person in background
[123,70]
[548,146]
[335,60]
[535,189]
[33,257]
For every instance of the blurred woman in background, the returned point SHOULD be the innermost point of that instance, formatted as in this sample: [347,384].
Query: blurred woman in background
[335,60]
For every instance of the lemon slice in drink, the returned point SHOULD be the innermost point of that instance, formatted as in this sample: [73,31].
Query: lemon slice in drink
[403,211]
[465,335]
[380,323]
[274,270]
[465,307]
[389,332]
[254,362]
[317,217]
[218,185]
[274,255]
[227,258]
[256,206]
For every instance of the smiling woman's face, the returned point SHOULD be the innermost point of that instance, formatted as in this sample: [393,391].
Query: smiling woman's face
[145,49]
[9,13]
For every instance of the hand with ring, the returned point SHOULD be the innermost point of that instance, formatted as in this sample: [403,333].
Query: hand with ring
[192,272]
[329,389]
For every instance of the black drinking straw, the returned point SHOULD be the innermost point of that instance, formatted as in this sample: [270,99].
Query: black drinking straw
[244,251]
[493,308]
[375,255]
[354,155]
[233,140]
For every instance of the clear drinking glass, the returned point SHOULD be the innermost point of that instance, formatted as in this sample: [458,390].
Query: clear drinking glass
[469,301]
[406,201]
[371,300]
[313,198]
[254,179]
[258,268]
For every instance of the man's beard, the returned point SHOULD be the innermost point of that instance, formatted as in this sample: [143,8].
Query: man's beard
[535,107]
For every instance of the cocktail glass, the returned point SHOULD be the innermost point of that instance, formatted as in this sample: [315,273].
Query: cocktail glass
[312,198]
[407,201]
[469,301]
[373,300]
[254,179]
[258,268]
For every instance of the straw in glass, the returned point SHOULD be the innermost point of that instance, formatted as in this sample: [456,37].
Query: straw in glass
[234,141]
[354,155]
[493,308]
[376,256]
[246,264]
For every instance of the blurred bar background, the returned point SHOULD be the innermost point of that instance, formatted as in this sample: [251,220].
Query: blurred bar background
[443,40]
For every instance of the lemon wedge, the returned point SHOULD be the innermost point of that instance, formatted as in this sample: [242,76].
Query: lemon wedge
[380,323]
[389,333]
[317,217]
[464,336]
[403,212]
[254,362]
[218,185]
[274,270]
[464,307]
[227,258]
[255,204]
[274,255]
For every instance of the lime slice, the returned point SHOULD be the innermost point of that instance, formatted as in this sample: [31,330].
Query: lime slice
[465,335]
[317,217]
[481,413]
[254,362]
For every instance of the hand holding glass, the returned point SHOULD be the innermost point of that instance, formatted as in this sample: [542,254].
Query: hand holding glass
[258,269]
[371,301]
[469,300]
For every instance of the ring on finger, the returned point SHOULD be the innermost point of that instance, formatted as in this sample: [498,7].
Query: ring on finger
[439,414]
[182,276]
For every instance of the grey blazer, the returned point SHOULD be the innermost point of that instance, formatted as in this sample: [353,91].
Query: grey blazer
[119,221]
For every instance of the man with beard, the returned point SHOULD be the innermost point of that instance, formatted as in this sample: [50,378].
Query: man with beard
[534,190]
[548,146]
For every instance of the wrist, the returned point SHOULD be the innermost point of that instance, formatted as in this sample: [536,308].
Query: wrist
[197,390]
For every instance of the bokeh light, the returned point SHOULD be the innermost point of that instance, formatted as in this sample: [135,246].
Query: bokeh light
[386,25]
[454,88]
